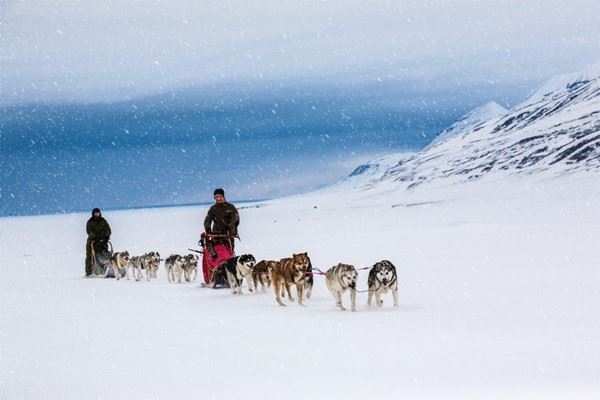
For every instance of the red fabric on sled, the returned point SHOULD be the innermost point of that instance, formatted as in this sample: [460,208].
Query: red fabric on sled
[209,264]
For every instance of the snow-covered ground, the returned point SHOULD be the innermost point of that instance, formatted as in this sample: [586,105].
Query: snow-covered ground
[498,282]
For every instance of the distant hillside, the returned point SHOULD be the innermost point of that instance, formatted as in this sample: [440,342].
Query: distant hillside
[557,130]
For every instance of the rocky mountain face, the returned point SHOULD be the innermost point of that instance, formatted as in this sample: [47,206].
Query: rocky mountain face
[557,129]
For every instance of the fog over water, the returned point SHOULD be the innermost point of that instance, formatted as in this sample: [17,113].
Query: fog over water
[135,104]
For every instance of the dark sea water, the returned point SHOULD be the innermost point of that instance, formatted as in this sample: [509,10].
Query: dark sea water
[176,150]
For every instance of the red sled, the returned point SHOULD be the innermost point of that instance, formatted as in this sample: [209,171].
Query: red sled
[221,250]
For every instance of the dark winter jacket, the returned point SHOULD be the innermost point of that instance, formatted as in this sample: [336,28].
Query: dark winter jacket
[222,218]
[97,229]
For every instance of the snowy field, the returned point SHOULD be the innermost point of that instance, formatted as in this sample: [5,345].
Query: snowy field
[499,299]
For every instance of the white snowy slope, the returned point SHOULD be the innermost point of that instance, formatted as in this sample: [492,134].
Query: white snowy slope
[369,174]
[556,130]
[472,120]
[498,300]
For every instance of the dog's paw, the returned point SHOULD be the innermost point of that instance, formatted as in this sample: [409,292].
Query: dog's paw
[379,303]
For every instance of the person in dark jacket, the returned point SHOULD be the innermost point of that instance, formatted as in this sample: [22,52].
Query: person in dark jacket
[222,218]
[98,232]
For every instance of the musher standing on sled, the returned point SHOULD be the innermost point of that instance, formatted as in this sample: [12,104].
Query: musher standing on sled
[222,218]
[220,229]
[98,232]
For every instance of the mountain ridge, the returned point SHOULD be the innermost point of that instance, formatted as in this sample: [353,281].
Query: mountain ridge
[556,129]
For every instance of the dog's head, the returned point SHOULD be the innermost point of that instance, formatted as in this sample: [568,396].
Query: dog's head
[385,272]
[265,266]
[191,261]
[301,262]
[269,266]
[348,275]
[247,260]
[124,255]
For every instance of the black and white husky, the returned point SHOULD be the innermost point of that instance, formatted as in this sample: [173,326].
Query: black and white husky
[148,262]
[151,264]
[174,267]
[237,269]
[119,262]
[340,278]
[190,267]
[382,277]
[136,263]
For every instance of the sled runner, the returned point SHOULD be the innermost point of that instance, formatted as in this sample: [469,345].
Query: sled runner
[216,248]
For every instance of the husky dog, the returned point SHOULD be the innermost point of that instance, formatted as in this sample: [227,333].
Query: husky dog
[292,270]
[190,266]
[118,261]
[339,279]
[261,275]
[151,263]
[237,268]
[382,277]
[174,267]
[136,263]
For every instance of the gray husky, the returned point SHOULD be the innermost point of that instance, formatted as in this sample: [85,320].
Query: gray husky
[174,267]
[340,278]
[190,267]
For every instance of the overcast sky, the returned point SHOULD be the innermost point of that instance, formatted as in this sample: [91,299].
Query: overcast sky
[107,51]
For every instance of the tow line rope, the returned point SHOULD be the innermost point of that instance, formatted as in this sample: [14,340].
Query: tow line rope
[319,272]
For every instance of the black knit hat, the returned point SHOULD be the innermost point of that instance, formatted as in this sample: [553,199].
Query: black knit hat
[96,210]
[219,191]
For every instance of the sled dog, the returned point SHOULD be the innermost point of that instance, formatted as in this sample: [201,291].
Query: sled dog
[136,263]
[151,263]
[261,275]
[290,271]
[190,266]
[118,261]
[237,268]
[339,279]
[382,277]
[174,267]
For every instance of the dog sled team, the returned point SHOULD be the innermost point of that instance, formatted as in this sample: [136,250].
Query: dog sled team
[221,268]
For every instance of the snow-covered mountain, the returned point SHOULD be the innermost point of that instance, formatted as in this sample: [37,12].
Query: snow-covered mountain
[557,129]
[365,175]
[471,121]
